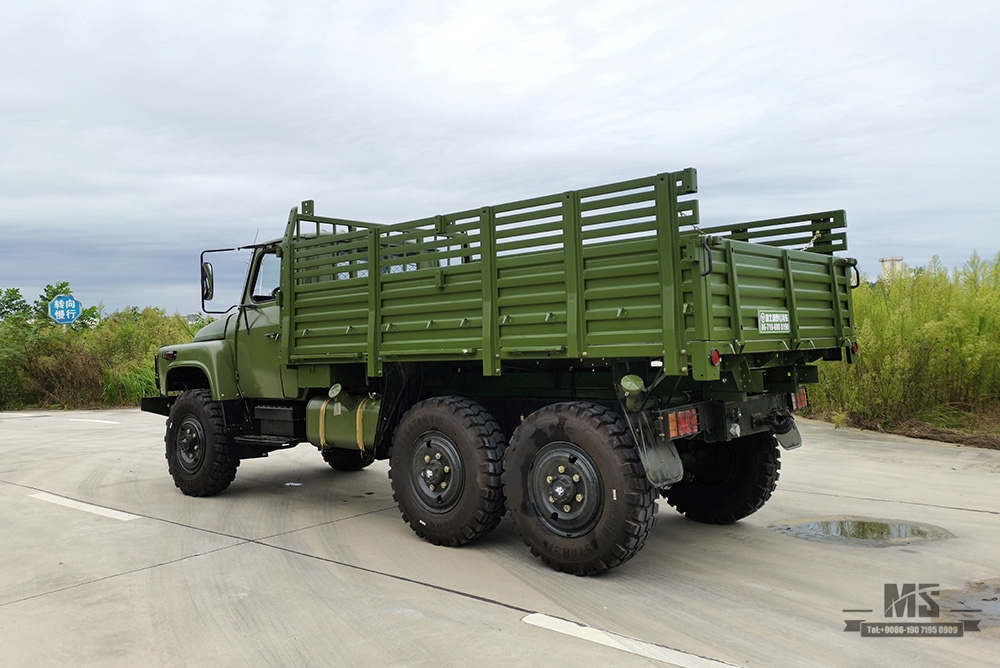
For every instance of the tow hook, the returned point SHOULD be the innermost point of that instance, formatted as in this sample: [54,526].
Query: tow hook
[782,424]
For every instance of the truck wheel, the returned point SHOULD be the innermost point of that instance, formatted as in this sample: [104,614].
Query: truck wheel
[445,467]
[197,445]
[576,489]
[728,481]
[348,460]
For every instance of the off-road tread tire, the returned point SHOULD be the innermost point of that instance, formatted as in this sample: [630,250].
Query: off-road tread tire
[218,467]
[612,448]
[757,464]
[341,459]
[474,431]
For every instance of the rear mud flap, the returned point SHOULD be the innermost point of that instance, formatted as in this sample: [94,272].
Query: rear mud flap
[662,463]
[791,439]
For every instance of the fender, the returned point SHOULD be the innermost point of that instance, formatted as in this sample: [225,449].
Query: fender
[180,366]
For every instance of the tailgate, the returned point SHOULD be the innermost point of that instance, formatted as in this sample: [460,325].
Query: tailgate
[752,298]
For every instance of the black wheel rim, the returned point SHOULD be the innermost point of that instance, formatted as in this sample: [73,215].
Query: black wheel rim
[190,441]
[566,489]
[436,472]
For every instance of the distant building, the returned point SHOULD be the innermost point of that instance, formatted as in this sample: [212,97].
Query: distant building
[891,266]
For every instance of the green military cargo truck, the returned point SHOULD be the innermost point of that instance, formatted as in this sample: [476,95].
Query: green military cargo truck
[564,358]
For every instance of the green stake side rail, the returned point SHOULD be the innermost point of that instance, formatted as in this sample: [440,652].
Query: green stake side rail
[618,271]
[611,308]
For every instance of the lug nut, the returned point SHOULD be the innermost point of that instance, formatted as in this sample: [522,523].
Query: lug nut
[437,455]
[427,458]
[549,480]
[579,498]
[567,508]
[552,499]
[576,477]
[447,469]
[443,485]
[562,469]
[432,487]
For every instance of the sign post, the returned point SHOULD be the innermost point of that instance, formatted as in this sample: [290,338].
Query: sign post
[65,309]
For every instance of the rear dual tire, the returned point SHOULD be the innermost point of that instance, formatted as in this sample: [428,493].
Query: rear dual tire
[576,488]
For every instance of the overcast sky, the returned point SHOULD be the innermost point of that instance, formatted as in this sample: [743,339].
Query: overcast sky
[135,134]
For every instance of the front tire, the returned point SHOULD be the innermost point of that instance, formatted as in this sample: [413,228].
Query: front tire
[728,481]
[445,468]
[197,445]
[576,489]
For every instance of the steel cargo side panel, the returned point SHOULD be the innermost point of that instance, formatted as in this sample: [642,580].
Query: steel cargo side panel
[622,298]
[327,300]
[629,264]
[428,304]
[532,313]
[431,313]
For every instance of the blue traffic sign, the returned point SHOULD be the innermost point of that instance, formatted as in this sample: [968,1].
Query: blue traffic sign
[64,309]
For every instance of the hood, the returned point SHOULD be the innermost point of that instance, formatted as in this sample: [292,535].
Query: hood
[213,331]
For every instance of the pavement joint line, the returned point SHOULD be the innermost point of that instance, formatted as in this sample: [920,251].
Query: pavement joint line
[117,575]
[624,643]
[323,524]
[399,578]
[905,503]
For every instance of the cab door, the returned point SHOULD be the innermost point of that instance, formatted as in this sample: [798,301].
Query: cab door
[258,350]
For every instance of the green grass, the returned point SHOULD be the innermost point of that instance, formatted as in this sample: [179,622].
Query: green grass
[101,362]
[929,343]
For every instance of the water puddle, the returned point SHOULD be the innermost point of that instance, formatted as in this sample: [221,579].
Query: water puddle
[978,600]
[862,531]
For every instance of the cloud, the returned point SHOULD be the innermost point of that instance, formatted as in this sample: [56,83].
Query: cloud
[136,135]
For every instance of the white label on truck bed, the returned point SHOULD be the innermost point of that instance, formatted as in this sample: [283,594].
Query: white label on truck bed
[773,320]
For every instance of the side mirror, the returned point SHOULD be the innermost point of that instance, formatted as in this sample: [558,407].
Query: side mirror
[207,282]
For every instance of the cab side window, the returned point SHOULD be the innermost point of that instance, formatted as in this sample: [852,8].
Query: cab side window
[265,284]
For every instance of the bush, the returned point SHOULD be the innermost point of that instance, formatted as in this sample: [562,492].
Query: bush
[929,348]
[94,362]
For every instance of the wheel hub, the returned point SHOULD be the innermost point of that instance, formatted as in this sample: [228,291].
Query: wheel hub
[433,472]
[562,489]
[565,488]
[436,472]
[190,444]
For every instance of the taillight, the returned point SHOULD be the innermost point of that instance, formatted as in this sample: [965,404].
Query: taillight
[800,399]
[683,422]
[854,347]
[714,357]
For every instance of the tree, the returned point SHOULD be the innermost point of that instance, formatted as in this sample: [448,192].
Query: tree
[13,304]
